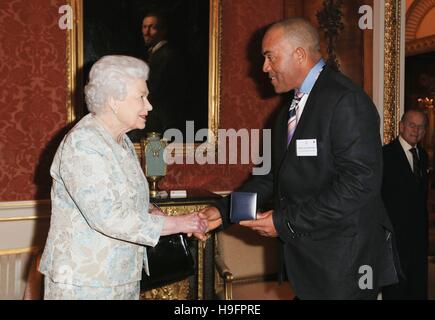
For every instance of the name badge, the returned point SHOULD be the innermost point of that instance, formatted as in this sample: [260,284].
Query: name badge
[306,148]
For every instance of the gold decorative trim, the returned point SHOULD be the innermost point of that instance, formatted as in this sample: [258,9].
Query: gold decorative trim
[70,68]
[74,56]
[392,47]
[175,291]
[14,219]
[214,78]
[421,45]
[172,209]
[5,252]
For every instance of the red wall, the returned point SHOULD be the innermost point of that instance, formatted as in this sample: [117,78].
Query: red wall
[243,86]
[33,94]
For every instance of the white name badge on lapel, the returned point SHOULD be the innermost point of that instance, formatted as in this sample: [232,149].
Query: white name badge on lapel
[306,148]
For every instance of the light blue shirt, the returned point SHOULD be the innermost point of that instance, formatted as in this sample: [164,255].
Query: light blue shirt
[311,78]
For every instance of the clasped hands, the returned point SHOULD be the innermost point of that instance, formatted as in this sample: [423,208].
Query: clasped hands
[263,225]
[208,219]
[186,223]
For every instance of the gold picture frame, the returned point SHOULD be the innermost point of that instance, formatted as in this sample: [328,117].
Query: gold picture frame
[392,55]
[75,63]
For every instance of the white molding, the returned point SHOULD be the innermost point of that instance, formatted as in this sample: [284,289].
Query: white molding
[23,204]
[32,209]
[23,224]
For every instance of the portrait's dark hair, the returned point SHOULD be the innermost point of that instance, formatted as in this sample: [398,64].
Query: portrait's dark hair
[163,21]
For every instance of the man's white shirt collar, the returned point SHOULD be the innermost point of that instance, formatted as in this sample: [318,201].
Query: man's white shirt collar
[157,46]
[406,146]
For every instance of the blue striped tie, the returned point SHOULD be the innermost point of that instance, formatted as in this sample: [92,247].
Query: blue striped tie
[292,115]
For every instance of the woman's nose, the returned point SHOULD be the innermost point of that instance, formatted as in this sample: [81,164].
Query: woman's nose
[148,105]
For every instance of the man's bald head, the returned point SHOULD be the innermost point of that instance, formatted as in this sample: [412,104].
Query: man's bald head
[300,33]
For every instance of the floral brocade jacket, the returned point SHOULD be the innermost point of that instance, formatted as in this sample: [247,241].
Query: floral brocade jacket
[100,221]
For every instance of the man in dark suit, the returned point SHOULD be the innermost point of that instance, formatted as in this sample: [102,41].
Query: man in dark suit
[404,191]
[326,176]
[167,79]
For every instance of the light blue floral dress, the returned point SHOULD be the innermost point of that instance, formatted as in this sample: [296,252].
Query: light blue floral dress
[100,221]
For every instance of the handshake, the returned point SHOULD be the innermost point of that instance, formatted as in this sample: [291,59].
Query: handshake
[197,223]
[208,219]
[262,225]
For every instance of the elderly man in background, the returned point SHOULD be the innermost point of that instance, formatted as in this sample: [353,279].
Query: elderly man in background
[101,219]
[405,191]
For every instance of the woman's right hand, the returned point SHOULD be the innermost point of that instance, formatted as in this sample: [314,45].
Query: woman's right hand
[188,223]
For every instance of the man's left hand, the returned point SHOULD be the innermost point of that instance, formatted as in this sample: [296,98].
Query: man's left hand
[263,224]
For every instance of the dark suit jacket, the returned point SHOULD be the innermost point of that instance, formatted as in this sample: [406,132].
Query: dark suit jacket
[168,89]
[328,209]
[405,198]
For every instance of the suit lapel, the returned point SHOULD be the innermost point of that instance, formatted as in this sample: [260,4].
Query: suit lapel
[281,135]
[310,106]
[423,159]
[402,159]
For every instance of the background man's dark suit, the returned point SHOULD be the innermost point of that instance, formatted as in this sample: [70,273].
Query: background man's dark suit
[328,210]
[168,89]
[405,198]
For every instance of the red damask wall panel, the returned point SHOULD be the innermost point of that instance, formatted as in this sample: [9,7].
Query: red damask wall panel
[247,99]
[32,95]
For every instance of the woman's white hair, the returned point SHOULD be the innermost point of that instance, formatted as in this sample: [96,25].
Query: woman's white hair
[110,77]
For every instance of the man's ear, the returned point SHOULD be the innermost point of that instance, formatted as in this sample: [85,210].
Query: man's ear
[301,54]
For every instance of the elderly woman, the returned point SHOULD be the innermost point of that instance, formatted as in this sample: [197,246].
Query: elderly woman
[101,219]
